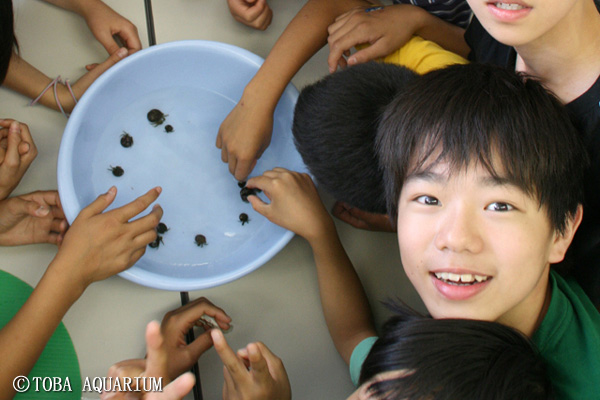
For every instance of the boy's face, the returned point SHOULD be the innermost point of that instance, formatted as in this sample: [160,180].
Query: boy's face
[475,247]
[516,23]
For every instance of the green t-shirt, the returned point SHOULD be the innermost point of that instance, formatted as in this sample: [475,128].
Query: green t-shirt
[568,340]
[58,360]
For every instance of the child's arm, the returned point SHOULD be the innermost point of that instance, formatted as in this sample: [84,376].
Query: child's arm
[17,152]
[387,30]
[246,132]
[254,13]
[97,245]
[104,22]
[295,205]
[23,78]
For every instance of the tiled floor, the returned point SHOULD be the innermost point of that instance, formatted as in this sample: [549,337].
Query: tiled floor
[277,304]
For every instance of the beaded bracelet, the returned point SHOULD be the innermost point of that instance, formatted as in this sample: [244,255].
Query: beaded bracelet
[53,85]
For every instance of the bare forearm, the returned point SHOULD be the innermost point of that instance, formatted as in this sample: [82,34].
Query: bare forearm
[345,305]
[24,78]
[77,6]
[302,38]
[24,338]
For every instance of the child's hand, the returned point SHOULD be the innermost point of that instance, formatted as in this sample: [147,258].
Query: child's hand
[254,13]
[295,203]
[154,366]
[243,136]
[32,218]
[177,323]
[386,30]
[104,23]
[83,83]
[362,219]
[17,152]
[99,245]
[254,373]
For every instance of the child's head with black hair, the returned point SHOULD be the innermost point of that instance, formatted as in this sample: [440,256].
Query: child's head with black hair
[508,123]
[483,174]
[335,123]
[420,358]
[8,41]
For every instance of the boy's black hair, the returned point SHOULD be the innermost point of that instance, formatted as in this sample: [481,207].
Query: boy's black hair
[335,123]
[507,122]
[8,40]
[453,359]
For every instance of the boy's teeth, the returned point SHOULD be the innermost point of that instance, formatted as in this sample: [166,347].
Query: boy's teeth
[460,278]
[507,6]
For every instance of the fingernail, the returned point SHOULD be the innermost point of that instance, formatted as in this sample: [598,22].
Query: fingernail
[14,127]
[158,189]
[216,335]
[25,147]
[156,206]
[42,211]
[252,349]
[122,52]
[352,60]
[112,190]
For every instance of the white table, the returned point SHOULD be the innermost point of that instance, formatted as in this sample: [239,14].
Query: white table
[278,303]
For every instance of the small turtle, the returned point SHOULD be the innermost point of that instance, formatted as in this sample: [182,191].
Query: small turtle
[116,171]
[126,140]
[157,242]
[246,191]
[156,117]
[169,128]
[244,218]
[161,228]
[200,241]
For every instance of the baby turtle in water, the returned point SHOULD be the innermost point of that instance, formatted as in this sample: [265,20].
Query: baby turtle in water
[157,242]
[246,191]
[161,228]
[156,117]
[116,171]
[244,218]
[126,140]
[169,128]
[200,240]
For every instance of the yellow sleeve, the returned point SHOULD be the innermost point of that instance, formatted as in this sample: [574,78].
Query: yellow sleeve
[422,56]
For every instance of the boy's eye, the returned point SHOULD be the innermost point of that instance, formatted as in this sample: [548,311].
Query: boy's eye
[498,206]
[428,200]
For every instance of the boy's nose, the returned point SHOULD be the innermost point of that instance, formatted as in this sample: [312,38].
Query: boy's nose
[458,231]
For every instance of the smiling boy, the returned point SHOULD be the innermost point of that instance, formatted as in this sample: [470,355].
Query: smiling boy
[483,174]
[487,191]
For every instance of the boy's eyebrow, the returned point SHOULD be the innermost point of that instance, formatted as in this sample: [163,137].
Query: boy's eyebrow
[426,175]
[435,177]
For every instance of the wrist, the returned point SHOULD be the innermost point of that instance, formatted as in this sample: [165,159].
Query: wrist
[62,274]
[322,234]
[262,92]
[415,14]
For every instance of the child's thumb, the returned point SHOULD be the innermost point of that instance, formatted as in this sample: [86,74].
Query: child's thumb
[27,207]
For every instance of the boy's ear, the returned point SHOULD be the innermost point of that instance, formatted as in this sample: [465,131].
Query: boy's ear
[563,241]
